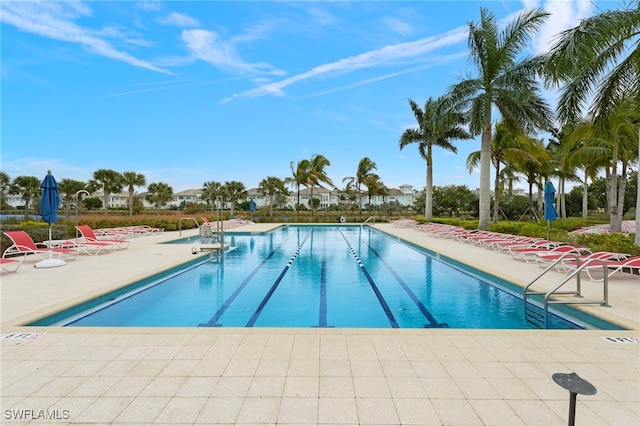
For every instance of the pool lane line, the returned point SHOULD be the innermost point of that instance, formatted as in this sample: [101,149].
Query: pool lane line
[374,287]
[229,301]
[433,323]
[274,286]
[323,285]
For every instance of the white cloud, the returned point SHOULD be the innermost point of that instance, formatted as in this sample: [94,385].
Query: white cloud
[179,20]
[54,20]
[209,47]
[565,14]
[380,57]
[149,6]
[398,26]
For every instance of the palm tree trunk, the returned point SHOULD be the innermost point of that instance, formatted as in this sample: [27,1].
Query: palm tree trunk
[106,202]
[484,208]
[561,204]
[496,204]
[311,203]
[130,203]
[428,193]
[622,187]
[585,196]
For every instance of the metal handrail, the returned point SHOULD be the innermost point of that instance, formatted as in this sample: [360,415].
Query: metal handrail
[576,272]
[187,218]
[370,218]
[577,292]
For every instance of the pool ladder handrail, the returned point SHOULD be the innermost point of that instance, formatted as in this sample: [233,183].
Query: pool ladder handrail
[187,218]
[371,218]
[529,315]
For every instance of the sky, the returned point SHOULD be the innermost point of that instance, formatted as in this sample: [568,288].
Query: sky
[190,92]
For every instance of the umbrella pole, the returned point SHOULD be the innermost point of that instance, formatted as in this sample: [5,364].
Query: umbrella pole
[50,262]
[548,232]
[50,239]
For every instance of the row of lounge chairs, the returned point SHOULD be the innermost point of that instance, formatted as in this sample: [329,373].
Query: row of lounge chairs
[226,224]
[564,257]
[127,231]
[88,243]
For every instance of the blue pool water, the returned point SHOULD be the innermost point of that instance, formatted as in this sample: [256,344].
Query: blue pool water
[312,276]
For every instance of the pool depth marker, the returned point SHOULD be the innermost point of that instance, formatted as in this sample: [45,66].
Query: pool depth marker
[266,298]
[374,287]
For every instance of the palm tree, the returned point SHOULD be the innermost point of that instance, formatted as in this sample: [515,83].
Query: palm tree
[211,191]
[159,194]
[620,127]
[29,187]
[109,181]
[374,186]
[575,147]
[438,124]
[503,83]
[300,176]
[5,182]
[601,56]
[317,175]
[506,148]
[534,164]
[272,186]
[133,179]
[366,166]
[68,189]
[233,191]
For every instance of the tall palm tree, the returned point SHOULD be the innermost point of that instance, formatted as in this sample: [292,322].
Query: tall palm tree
[501,82]
[438,124]
[29,187]
[601,55]
[131,180]
[272,186]
[233,191]
[299,176]
[621,126]
[109,181]
[68,189]
[159,194]
[211,191]
[317,174]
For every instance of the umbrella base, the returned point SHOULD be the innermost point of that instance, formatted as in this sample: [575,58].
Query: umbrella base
[50,263]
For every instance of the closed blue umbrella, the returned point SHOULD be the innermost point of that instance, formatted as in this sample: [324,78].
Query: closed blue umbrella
[49,203]
[550,212]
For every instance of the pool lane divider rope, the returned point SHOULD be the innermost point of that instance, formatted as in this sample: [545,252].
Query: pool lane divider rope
[374,287]
[214,319]
[274,286]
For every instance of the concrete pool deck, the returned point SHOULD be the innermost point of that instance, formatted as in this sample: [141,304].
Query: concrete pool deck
[304,376]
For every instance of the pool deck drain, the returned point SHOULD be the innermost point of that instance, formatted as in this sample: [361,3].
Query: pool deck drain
[303,376]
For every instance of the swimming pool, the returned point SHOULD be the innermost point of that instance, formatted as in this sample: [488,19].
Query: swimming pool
[312,276]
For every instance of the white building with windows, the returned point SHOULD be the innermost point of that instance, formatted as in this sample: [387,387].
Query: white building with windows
[406,196]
